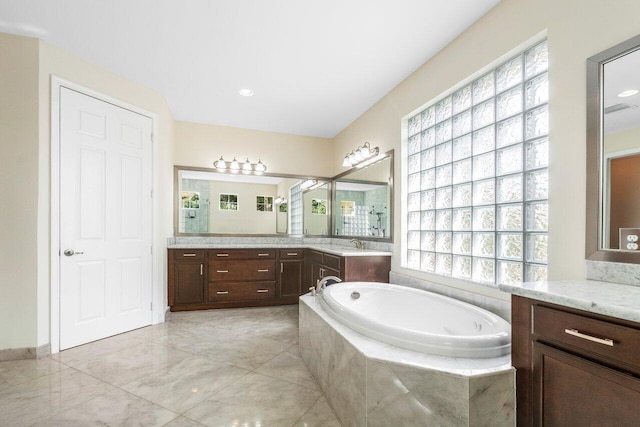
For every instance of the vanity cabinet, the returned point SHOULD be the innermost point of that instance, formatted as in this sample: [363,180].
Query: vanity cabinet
[291,273]
[223,278]
[241,275]
[348,268]
[573,367]
[186,271]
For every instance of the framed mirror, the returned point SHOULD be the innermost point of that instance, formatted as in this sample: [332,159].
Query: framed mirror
[207,202]
[613,154]
[363,201]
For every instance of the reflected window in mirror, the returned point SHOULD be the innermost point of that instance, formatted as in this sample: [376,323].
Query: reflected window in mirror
[613,153]
[477,176]
[208,202]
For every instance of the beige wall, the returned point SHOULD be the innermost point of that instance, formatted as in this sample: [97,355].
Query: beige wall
[622,141]
[27,65]
[575,30]
[200,145]
[246,219]
[19,189]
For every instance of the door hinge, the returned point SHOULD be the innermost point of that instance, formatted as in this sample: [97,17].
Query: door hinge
[152,306]
[151,192]
[151,250]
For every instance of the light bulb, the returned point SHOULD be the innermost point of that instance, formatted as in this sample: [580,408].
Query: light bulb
[234,166]
[246,166]
[260,167]
[346,163]
[220,164]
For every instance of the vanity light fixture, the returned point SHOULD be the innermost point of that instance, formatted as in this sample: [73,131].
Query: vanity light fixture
[234,166]
[280,200]
[245,92]
[361,154]
[308,183]
[627,93]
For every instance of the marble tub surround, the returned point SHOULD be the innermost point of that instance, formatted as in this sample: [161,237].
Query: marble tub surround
[198,368]
[609,299]
[501,308]
[369,383]
[615,272]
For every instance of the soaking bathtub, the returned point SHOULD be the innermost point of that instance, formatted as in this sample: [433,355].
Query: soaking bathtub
[418,320]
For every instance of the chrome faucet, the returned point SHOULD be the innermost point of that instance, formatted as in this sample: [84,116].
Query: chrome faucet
[322,283]
[359,244]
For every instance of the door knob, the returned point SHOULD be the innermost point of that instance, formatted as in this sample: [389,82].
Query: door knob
[71,252]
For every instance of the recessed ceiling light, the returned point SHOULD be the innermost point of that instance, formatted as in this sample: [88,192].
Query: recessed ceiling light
[627,93]
[245,92]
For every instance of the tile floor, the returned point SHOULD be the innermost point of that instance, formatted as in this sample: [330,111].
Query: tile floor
[234,367]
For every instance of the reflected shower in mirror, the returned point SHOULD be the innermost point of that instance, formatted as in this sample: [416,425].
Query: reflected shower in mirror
[208,202]
[362,201]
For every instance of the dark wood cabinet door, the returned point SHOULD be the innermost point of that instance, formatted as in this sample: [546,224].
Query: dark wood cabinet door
[291,278]
[572,391]
[188,282]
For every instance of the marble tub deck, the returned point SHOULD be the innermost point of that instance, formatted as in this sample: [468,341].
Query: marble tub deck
[369,383]
[214,368]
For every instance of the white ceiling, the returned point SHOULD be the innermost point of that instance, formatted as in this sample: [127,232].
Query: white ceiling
[315,66]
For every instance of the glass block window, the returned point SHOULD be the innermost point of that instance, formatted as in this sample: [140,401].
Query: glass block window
[477,177]
[295,200]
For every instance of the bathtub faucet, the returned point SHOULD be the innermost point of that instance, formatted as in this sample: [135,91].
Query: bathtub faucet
[323,283]
[358,243]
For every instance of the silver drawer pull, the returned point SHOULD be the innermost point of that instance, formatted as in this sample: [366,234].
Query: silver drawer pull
[222,254]
[188,254]
[263,271]
[576,333]
[263,254]
[292,253]
[222,271]
[222,292]
[262,291]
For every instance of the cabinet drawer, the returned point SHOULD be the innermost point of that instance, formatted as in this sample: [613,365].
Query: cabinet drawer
[242,270]
[242,291]
[331,261]
[291,253]
[619,343]
[188,254]
[224,254]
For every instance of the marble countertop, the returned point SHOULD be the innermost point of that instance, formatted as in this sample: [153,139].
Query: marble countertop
[332,249]
[609,299]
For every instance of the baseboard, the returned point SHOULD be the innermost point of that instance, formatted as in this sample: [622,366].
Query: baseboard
[25,353]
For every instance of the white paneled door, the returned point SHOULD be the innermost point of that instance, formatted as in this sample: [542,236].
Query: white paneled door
[105,219]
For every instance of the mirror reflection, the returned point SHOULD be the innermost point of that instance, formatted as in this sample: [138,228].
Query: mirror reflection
[208,202]
[362,201]
[621,153]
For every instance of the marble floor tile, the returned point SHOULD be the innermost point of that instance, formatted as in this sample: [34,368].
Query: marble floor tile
[20,371]
[320,415]
[116,408]
[254,399]
[183,385]
[148,376]
[95,349]
[183,422]
[131,364]
[288,367]
[48,395]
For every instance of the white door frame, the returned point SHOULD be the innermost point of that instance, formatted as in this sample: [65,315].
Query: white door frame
[158,310]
